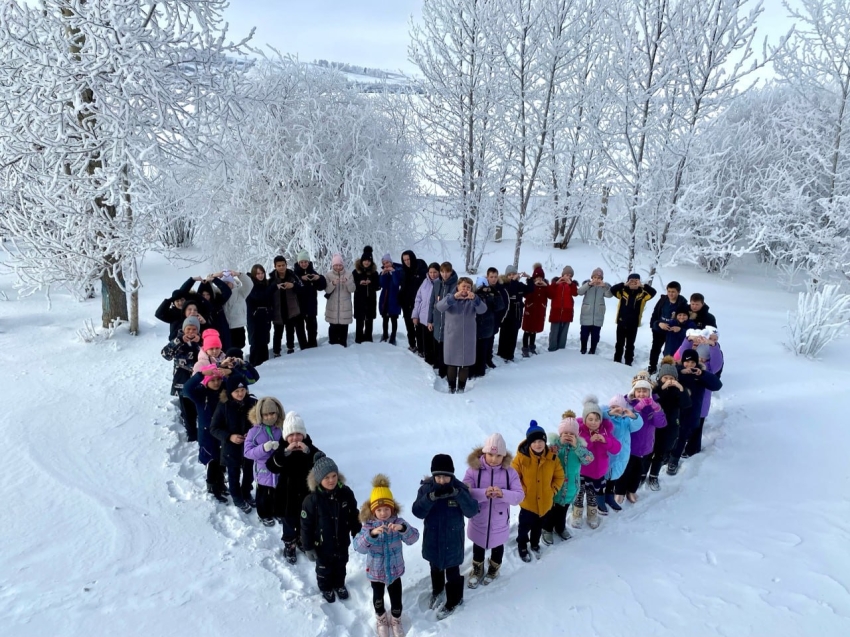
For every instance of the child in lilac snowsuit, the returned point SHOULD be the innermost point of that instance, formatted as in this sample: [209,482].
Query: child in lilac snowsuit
[260,444]
[381,539]
[496,487]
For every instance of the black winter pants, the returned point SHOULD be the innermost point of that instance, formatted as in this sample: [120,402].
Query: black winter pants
[266,502]
[189,414]
[665,439]
[694,445]
[240,479]
[310,327]
[410,327]
[260,342]
[330,572]
[385,323]
[237,337]
[589,332]
[626,335]
[556,519]
[497,553]
[394,590]
[363,330]
[658,340]
[338,334]
[449,580]
[425,343]
[529,524]
[630,480]
[508,335]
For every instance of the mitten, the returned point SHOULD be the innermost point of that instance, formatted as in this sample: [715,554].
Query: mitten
[643,402]
[271,445]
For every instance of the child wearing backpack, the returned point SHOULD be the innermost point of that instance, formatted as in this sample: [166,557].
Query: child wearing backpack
[381,540]
[496,486]
[542,476]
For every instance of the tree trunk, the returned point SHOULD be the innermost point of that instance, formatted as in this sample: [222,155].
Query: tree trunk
[603,213]
[113,298]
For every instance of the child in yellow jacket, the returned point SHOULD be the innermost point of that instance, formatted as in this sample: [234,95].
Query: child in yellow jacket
[542,476]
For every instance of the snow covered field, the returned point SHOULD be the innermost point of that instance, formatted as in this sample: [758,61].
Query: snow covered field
[107,528]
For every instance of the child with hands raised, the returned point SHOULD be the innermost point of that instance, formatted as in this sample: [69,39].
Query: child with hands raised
[261,442]
[599,434]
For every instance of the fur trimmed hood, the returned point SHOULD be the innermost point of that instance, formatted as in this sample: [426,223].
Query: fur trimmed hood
[474,459]
[255,416]
[358,265]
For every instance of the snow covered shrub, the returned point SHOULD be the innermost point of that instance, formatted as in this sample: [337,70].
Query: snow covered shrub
[821,317]
[88,333]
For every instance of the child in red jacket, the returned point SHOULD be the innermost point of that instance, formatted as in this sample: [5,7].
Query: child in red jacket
[534,314]
[561,291]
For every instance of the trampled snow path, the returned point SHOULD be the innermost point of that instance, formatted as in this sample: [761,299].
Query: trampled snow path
[107,528]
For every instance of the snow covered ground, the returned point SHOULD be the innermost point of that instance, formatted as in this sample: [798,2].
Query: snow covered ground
[107,528]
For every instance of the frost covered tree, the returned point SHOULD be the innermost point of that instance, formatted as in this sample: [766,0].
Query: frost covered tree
[459,96]
[100,101]
[314,164]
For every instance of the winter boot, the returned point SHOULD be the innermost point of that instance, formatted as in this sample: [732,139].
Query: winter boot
[547,538]
[434,601]
[564,535]
[525,353]
[454,598]
[267,521]
[342,592]
[524,554]
[600,505]
[330,596]
[535,550]
[250,499]
[447,610]
[383,625]
[492,572]
[244,506]
[289,553]
[592,350]
[532,349]
[392,339]
[397,628]
[385,338]
[611,501]
[575,520]
[215,490]
[593,518]
[672,467]
[653,484]
[475,575]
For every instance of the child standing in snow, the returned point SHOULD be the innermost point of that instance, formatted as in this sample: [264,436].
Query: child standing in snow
[599,434]
[203,389]
[625,422]
[184,350]
[424,336]
[329,519]
[672,397]
[443,502]
[534,315]
[643,440]
[561,291]
[390,278]
[542,476]
[339,286]
[366,286]
[230,424]
[677,329]
[381,540]
[260,443]
[572,453]
[460,331]
[496,486]
[594,291]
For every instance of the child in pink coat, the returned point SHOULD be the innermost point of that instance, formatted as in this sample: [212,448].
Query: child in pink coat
[599,435]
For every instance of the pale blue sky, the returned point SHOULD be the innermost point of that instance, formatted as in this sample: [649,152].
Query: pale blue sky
[372,33]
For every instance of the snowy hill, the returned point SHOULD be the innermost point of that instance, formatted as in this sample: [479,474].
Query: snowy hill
[107,527]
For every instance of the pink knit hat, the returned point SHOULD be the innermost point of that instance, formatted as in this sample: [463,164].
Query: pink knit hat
[211,339]
[495,444]
[619,401]
[569,424]
[337,260]
[211,376]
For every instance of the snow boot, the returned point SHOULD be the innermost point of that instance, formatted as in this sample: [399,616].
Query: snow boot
[447,610]
[454,598]
[653,484]
[329,596]
[392,339]
[384,338]
[267,521]
[383,625]
[523,554]
[250,500]
[475,575]
[216,492]
[244,506]
[289,553]
[525,353]
[397,628]
[342,592]
[434,601]
[564,535]
[672,467]
[600,505]
[575,520]
[547,538]
[492,573]
[593,518]
[611,501]
[532,349]
[536,551]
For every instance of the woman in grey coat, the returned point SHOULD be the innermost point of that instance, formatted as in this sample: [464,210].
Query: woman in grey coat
[460,332]
[594,291]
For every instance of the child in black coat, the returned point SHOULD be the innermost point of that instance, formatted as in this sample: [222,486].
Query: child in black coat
[329,519]
[230,424]
[183,349]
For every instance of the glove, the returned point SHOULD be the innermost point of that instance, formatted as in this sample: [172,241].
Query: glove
[443,490]
[311,555]
[271,445]
[642,403]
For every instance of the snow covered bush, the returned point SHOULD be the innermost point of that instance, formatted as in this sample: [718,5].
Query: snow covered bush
[821,317]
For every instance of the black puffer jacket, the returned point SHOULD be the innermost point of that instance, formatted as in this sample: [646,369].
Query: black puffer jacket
[329,520]
[293,469]
[366,296]
[412,278]
[231,418]
[309,290]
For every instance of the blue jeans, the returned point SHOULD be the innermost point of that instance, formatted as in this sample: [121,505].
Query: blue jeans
[558,336]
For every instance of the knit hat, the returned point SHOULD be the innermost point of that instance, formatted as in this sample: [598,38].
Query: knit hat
[207,379]
[618,400]
[303,256]
[192,320]
[234,382]
[442,465]
[568,271]
[177,294]
[690,355]
[538,272]
[322,466]
[641,375]
[381,495]
[668,368]
[227,277]
[511,269]
[386,258]
[598,272]
[640,383]
[534,432]
[633,275]
[293,424]
[367,254]
[569,424]
[211,339]
[337,259]
[591,406]
[269,406]
[495,445]
[683,309]
[235,352]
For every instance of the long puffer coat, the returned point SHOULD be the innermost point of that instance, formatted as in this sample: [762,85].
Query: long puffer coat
[444,515]
[338,308]
[460,329]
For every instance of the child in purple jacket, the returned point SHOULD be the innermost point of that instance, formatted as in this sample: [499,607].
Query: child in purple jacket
[643,440]
[260,444]
[496,486]
[381,539]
